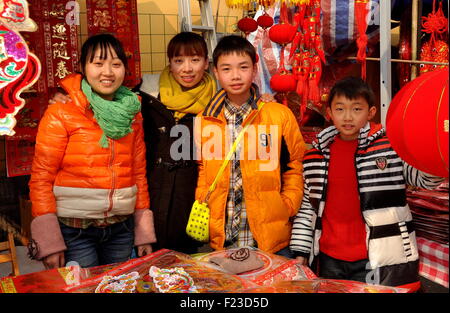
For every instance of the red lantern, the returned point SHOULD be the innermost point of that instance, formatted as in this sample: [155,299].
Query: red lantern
[283,82]
[282,33]
[247,25]
[417,123]
[265,21]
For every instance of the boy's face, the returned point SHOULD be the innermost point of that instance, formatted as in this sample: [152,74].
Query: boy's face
[235,73]
[349,116]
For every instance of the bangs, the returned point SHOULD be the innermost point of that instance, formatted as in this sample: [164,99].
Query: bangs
[188,49]
[105,44]
[104,49]
[187,44]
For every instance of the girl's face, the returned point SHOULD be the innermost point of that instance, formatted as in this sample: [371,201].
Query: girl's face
[105,75]
[188,70]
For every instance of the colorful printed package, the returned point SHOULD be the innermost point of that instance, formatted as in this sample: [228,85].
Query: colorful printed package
[169,271]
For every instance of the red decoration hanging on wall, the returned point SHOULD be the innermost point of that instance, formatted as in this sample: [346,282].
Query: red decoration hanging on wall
[436,48]
[118,17]
[361,11]
[247,25]
[19,67]
[283,33]
[307,54]
[417,122]
[265,21]
[55,43]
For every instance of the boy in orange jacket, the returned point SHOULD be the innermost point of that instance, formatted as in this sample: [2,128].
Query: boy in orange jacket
[261,189]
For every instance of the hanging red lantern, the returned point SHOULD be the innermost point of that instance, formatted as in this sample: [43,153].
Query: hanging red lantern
[247,25]
[282,33]
[265,21]
[283,82]
[417,123]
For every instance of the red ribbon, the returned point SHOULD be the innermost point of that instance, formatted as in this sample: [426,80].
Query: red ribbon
[361,14]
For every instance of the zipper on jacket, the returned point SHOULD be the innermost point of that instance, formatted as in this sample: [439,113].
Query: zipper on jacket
[113,177]
[359,196]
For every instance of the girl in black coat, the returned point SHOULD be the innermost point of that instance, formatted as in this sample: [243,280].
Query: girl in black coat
[169,106]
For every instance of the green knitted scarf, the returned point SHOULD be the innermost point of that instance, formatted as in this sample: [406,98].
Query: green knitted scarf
[113,117]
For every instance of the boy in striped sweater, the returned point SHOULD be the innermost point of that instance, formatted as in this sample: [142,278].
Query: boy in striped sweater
[354,217]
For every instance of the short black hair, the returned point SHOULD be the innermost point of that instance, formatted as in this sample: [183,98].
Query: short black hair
[188,43]
[233,44]
[352,88]
[105,42]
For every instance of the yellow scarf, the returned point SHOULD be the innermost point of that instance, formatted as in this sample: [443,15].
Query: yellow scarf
[182,102]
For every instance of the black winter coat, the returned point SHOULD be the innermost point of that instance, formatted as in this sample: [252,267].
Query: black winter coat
[171,183]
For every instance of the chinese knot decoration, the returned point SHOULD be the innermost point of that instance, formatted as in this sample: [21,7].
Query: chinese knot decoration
[19,69]
[307,54]
[436,49]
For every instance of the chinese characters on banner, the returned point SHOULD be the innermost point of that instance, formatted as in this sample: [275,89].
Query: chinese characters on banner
[55,43]
[118,17]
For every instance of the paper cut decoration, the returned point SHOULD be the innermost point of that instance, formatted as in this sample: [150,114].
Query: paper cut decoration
[19,68]
[118,284]
[174,280]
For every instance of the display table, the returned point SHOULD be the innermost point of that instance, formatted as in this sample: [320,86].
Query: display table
[168,271]
[433,261]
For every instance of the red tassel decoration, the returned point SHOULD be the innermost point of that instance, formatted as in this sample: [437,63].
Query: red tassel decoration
[314,79]
[361,14]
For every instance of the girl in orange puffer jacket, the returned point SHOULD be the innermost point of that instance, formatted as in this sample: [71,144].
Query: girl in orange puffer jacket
[88,182]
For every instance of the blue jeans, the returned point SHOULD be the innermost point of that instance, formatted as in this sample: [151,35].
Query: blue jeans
[95,246]
[286,252]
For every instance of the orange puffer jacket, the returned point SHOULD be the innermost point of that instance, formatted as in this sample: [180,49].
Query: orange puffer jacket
[271,167]
[73,176]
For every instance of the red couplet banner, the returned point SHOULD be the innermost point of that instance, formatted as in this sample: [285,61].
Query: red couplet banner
[118,17]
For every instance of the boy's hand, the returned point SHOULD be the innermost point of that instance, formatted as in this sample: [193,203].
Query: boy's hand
[54,260]
[267,97]
[59,97]
[302,260]
[144,250]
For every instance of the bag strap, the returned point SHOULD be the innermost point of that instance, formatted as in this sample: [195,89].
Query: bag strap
[230,154]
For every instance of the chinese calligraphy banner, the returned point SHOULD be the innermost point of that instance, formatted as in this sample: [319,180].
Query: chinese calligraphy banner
[60,40]
[118,17]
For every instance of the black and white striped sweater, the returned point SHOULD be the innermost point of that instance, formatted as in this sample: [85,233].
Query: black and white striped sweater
[382,178]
